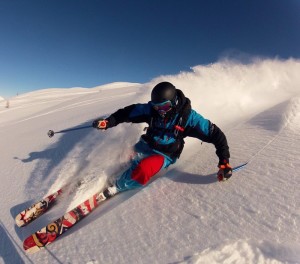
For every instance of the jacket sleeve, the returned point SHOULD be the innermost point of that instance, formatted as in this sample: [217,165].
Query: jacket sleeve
[135,113]
[218,138]
[203,129]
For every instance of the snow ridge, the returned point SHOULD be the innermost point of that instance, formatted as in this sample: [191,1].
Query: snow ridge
[248,252]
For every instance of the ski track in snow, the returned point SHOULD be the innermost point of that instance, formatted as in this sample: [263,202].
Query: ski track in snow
[184,215]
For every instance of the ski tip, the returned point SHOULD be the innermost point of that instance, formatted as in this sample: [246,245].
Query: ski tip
[30,246]
[19,222]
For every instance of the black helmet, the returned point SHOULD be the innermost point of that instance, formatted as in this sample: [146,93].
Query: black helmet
[162,92]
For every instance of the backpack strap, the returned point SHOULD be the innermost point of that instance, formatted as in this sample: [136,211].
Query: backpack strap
[184,114]
[180,127]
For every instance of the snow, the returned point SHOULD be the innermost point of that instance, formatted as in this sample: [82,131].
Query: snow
[183,216]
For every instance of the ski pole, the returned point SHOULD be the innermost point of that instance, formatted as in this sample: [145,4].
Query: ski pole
[237,168]
[51,132]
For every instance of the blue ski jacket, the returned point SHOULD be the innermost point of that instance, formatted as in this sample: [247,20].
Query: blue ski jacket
[166,135]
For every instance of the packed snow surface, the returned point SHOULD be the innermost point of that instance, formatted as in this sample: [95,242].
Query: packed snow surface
[183,216]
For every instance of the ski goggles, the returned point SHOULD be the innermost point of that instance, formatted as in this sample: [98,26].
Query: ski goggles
[163,107]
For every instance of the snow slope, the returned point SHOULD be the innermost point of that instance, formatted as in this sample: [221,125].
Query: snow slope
[185,215]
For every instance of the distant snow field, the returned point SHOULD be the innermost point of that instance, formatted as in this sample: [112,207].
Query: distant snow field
[185,215]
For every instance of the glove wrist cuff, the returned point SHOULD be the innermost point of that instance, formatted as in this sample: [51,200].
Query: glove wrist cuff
[224,164]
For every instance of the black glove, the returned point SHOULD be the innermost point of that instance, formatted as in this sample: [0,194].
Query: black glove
[225,170]
[101,124]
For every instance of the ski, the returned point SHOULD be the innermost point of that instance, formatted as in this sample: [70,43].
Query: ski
[52,231]
[55,229]
[37,209]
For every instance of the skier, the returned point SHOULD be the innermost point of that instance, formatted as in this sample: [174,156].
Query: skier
[170,119]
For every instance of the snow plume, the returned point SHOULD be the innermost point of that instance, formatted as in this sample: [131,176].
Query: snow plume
[97,168]
[228,90]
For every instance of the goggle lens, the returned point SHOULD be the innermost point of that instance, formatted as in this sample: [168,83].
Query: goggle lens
[163,108]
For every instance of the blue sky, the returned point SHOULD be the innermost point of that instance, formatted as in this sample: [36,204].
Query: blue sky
[68,43]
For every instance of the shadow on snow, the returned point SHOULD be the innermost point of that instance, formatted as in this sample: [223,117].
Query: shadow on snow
[8,250]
